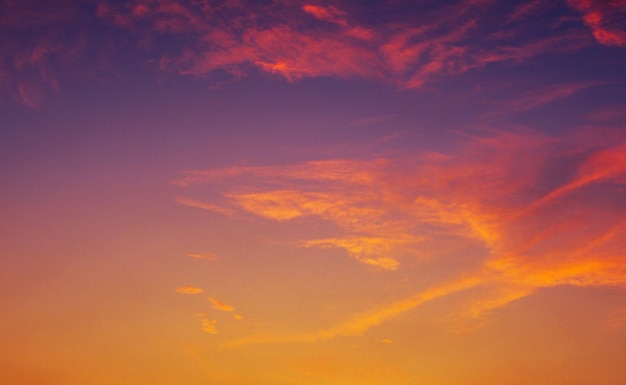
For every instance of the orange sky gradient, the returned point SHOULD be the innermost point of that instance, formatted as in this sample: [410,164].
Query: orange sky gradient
[312,193]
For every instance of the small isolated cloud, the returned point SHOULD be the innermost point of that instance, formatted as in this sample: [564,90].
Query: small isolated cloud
[189,290]
[212,257]
[237,317]
[617,320]
[220,305]
[209,325]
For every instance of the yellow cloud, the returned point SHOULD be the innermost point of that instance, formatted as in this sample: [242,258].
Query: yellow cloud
[189,290]
[209,325]
[219,305]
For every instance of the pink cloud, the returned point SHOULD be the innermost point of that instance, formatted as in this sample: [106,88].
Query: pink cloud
[330,14]
[408,53]
[605,18]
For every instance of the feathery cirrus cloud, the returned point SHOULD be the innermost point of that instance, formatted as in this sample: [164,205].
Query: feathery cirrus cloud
[409,45]
[498,193]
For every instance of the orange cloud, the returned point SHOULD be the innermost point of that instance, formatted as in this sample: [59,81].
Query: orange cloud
[494,194]
[202,205]
[219,305]
[189,290]
[209,325]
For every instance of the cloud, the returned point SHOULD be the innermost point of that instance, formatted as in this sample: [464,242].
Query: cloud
[202,205]
[219,305]
[543,95]
[367,250]
[416,45]
[608,115]
[330,14]
[605,18]
[337,40]
[537,211]
[208,325]
[42,41]
[526,9]
[212,257]
[189,290]
[617,320]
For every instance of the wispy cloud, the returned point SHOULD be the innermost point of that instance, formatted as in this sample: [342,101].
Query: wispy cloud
[617,320]
[293,40]
[208,325]
[202,205]
[498,192]
[212,257]
[220,305]
[541,96]
[297,41]
[189,290]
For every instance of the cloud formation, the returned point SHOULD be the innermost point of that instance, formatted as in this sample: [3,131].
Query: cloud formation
[545,212]
[409,45]
[297,40]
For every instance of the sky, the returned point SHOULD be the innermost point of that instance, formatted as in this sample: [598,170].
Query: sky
[286,192]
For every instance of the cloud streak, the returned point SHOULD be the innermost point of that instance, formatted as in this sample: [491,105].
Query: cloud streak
[189,290]
[220,305]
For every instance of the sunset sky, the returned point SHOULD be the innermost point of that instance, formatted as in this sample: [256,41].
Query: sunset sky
[286,192]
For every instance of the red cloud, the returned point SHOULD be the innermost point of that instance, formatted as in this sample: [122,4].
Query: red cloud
[605,18]
[288,39]
[330,14]
[284,39]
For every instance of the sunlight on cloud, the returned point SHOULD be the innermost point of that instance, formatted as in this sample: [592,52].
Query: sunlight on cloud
[189,290]
[533,234]
[209,326]
[220,305]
